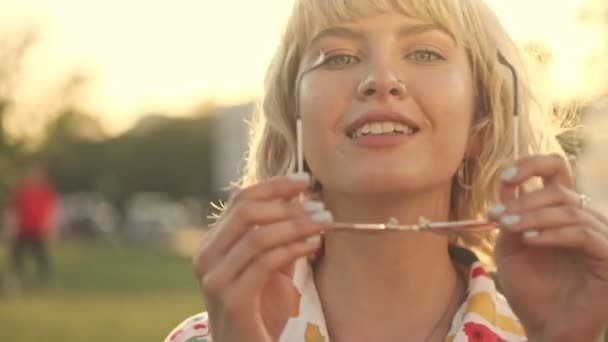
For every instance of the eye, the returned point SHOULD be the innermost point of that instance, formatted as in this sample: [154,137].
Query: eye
[340,60]
[425,56]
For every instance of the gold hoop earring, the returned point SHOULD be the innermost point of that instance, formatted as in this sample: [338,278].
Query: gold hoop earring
[315,186]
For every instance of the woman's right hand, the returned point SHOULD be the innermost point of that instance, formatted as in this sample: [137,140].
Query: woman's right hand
[245,265]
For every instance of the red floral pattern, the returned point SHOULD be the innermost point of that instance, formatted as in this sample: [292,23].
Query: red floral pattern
[479,272]
[480,333]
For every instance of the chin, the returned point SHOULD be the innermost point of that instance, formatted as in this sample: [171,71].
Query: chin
[380,183]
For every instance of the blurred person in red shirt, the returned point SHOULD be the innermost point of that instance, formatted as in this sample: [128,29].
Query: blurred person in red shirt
[34,209]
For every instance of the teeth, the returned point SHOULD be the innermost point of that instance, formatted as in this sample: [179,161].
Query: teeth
[386,127]
[366,129]
[377,128]
[399,128]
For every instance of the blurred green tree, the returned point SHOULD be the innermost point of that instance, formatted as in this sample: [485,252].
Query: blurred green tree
[13,51]
[73,150]
[170,155]
[160,154]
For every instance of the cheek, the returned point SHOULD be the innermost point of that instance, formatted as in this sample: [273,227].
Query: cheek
[322,96]
[447,100]
[323,102]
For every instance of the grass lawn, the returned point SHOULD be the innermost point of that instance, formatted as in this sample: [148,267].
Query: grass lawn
[102,293]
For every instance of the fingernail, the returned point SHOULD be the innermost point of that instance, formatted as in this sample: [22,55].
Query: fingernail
[497,210]
[323,216]
[509,174]
[531,234]
[311,206]
[510,220]
[300,177]
[314,240]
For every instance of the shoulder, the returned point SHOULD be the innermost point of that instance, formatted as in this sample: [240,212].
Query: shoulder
[193,329]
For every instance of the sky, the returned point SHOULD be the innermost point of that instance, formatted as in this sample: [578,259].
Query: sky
[169,56]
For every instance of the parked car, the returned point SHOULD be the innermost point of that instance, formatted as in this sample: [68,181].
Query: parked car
[87,215]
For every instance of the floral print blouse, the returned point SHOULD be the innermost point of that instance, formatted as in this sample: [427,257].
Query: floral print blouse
[484,316]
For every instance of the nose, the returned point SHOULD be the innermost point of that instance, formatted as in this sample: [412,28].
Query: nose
[382,87]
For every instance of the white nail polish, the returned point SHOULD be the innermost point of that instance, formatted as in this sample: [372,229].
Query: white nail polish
[510,220]
[321,216]
[509,174]
[531,234]
[497,210]
[300,177]
[311,206]
[314,240]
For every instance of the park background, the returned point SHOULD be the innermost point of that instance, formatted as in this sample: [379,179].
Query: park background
[139,110]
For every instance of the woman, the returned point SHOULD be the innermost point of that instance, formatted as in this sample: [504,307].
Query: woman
[408,115]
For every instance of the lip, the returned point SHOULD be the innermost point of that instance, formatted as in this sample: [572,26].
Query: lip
[380,116]
[382,141]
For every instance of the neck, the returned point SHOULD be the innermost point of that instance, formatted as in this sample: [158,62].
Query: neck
[405,280]
[378,208]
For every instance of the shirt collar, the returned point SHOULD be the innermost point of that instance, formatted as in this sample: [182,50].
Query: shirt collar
[485,312]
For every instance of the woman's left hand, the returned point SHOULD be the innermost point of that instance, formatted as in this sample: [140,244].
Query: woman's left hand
[552,254]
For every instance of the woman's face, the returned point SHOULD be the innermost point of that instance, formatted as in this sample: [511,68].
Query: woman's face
[390,109]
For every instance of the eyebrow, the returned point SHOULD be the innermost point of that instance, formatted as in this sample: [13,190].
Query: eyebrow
[410,30]
[347,33]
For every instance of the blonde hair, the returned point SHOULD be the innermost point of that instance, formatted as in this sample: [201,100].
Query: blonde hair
[473,25]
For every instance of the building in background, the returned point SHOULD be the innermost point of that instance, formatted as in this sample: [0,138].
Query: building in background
[230,135]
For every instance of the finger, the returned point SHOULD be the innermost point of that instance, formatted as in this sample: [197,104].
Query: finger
[274,188]
[257,274]
[600,215]
[243,217]
[507,192]
[544,218]
[590,240]
[279,188]
[551,196]
[551,168]
[263,239]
